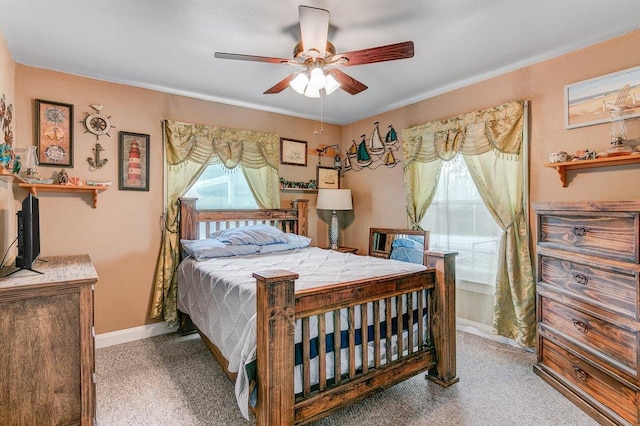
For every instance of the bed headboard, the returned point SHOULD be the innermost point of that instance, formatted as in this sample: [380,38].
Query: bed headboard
[195,223]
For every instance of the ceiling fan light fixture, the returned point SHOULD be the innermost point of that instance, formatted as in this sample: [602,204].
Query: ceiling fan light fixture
[311,92]
[331,85]
[317,79]
[299,84]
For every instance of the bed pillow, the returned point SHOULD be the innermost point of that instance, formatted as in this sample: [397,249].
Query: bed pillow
[406,254]
[210,248]
[408,243]
[254,234]
[295,242]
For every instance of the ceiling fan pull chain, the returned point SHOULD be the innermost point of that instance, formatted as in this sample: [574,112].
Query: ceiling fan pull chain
[321,118]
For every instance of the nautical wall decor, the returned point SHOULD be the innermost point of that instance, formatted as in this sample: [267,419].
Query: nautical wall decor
[6,143]
[374,152]
[97,124]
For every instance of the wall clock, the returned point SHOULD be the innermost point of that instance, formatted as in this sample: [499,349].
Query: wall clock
[97,123]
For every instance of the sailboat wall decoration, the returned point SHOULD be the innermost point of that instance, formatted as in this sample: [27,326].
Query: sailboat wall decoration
[374,152]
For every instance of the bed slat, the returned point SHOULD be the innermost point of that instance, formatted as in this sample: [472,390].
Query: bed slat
[306,355]
[352,343]
[337,365]
[400,312]
[365,336]
[322,353]
[388,337]
[376,333]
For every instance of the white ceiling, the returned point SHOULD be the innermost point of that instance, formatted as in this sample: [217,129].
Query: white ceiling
[168,45]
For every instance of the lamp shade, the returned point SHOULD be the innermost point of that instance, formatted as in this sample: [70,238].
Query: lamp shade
[334,199]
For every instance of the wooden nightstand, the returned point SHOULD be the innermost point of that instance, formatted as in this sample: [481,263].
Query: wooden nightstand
[342,249]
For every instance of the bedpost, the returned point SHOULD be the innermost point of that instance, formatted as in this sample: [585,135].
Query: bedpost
[302,206]
[275,300]
[188,224]
[444,321]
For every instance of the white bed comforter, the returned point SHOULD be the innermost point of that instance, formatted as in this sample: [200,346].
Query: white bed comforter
[219,295]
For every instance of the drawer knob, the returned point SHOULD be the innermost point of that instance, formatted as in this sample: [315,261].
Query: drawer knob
[581,374]
[580,279]
[581,326]
[579,231]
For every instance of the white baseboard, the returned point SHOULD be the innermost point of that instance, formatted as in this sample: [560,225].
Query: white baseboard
[130,334]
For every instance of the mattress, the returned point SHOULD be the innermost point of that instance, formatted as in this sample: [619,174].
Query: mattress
[219,296]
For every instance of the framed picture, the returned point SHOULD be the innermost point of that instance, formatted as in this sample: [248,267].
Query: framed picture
[293,152]
[54,133]
[590,101]
[133,161]
[328,177]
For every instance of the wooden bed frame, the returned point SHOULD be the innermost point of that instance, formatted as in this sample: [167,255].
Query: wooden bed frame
[279,306]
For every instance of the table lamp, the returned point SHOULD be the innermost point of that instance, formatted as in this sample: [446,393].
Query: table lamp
[334,199]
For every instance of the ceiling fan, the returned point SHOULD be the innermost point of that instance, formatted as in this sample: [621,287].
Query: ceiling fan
[317,58]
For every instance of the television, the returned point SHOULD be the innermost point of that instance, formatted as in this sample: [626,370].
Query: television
[28,233]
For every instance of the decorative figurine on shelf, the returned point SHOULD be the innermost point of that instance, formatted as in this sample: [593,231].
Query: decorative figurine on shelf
[63,178]
[5,154]
[16,165]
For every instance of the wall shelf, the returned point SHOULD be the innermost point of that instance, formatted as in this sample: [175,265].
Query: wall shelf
[43,187]
[619,160]
[298,190]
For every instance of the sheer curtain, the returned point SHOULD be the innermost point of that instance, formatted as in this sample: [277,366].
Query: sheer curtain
[190,148]
[457,220]
[491,143]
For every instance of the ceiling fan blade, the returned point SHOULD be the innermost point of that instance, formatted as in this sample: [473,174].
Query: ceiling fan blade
[348,83]
[240,57]
[390,52]
[314,28]
[280,86]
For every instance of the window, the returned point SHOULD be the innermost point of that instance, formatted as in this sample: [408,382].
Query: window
[458,220]
[221,188]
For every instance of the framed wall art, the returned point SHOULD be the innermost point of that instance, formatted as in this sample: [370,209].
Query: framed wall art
[328,177]
[54,133]
[590,101]
[133,161]
[293,152]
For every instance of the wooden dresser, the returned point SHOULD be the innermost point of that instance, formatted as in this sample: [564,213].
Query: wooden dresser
[47,344]
[588,266]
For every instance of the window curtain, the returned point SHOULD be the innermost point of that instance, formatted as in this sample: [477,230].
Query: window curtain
[190,148]
[491,143]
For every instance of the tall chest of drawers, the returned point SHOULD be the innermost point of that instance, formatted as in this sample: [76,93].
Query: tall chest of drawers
[588,269]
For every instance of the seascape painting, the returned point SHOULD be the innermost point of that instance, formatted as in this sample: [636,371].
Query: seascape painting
[591,101]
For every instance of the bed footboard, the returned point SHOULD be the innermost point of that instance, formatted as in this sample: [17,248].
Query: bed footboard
[395,327]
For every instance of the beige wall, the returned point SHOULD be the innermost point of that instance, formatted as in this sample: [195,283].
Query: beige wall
[7,202]
[378,194]
[123,234]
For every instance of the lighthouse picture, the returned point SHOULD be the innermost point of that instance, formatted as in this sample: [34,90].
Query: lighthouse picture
[133,161]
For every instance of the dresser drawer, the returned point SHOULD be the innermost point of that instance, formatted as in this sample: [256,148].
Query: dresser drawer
[604,340]
[613,235]
[583,378]
[614,289]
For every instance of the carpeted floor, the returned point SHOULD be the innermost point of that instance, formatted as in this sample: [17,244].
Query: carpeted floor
[173,380]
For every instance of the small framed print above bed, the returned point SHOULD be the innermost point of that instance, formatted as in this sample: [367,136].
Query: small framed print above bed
[293,152]
[328,177]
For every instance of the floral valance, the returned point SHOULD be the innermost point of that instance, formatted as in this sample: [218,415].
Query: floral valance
[474,133]
[211,144]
